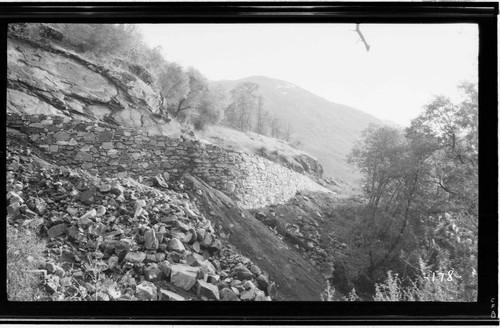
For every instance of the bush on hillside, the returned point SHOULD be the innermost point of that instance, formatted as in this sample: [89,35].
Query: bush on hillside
[24,254]
[442,285]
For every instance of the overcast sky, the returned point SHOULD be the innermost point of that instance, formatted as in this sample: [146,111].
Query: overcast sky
[405,67]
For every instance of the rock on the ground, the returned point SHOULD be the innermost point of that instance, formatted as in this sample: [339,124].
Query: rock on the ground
[146,291]
[152,272]
[227,294]
[135,257]
[57,230]
[205,289]
[150,240]
[166,295]
[241,272]
[176,245]
[183,276]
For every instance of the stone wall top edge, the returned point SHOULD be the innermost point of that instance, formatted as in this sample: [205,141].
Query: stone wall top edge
[244,156]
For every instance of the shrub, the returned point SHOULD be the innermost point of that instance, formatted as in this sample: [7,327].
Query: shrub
[352,296]
[327,295]
[439,286]
[262,150]
[390,289]
[142,73]
[24,254]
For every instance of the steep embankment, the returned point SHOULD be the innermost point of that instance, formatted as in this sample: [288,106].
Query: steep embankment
[117,239]
[294,277]
[80,213]
[324,129]
[111,204]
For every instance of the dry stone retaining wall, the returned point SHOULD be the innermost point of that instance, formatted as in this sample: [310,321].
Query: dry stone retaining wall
[107,150]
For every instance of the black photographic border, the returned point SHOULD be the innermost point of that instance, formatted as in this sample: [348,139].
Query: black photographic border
[484,14]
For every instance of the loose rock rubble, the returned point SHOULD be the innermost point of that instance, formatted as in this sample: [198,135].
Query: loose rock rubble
[118,239]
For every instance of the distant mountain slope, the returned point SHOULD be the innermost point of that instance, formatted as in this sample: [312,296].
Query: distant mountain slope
[325,129]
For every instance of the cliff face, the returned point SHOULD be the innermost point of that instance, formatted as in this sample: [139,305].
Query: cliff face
[46,79]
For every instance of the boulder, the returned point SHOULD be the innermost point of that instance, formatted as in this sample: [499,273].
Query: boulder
[166,268]
[84,222]
[226,294]
[176,245]
[113,261]
[135,257]
[146,291]
[207,241]
[152,272]
[190,236]
[116,188]
[261,296]
[204,289]
[242,273]
[75,234]
[89,215]
[104,188]
[272,291]
[255,269]
[72,211]
[166,295]
[54,269]
[150,240]
[196,247]
[57,230]
[101,210]
[248,295]
[158,181]
[262,282]
[216,246]
[87,197]
[194,259]
[183,276]
[248,285]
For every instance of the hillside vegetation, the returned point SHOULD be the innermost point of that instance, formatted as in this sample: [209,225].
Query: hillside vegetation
[324,129]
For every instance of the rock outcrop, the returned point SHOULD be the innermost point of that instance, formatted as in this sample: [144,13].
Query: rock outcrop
[51,80]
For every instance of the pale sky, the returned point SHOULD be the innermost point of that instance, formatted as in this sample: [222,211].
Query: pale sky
[406,65]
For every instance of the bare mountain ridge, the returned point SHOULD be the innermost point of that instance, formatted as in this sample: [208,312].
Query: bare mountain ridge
[322,128]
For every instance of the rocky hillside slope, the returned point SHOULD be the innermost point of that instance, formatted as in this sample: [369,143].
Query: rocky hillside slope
[128,213]
[125,240]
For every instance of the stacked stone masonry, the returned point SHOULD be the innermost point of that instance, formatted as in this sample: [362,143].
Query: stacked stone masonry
[117,151]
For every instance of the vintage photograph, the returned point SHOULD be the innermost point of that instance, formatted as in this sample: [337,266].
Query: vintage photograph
[242,162]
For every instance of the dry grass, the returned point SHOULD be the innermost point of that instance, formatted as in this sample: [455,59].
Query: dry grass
[249,142]
[24,254]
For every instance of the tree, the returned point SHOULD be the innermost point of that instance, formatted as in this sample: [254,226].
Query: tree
[421,189]
[244,103]
[103,39]
[287,133]
[173,84]
[275,126]
[198,86]
[454,128]
[210,108]
[262,116]
[379,156]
